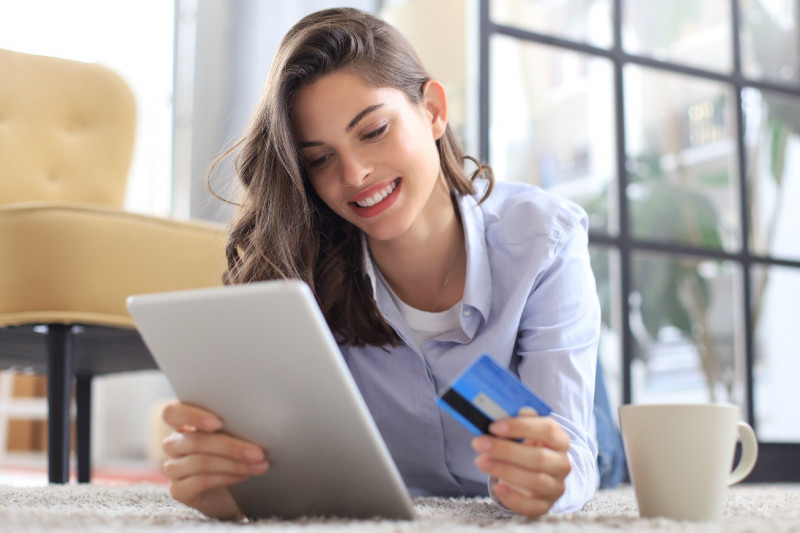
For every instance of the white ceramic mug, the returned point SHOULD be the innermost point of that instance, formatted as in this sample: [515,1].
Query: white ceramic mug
[680,456]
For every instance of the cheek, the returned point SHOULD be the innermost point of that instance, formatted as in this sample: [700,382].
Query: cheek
[322,188]
[316,185]
[426,155]
[328,192]
[424,146]
[418,148]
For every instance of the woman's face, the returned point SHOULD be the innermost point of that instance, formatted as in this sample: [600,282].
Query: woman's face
[370,152]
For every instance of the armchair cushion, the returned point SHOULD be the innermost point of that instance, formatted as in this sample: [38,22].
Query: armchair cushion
[77,263]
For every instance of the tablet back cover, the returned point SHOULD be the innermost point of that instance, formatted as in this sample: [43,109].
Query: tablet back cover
[262,358]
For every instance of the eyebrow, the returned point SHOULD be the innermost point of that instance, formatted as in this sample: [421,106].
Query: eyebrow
[364,113]
[353,123]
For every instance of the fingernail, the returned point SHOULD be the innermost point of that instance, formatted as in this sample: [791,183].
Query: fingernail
[484,463]
[481,444]
[211,424]
[253,455]
[527,411]
[259,467]
[499,428]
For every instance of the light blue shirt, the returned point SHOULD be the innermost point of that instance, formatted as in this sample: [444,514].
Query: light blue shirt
[530,302]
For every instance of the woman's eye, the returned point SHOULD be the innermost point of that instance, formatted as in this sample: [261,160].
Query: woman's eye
[374,134]
[318,162]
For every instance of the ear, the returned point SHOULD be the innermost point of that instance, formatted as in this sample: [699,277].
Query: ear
[434,99]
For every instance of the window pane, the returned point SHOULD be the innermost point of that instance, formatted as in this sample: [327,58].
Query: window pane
[552,124]
[690,32]
[685,330]
[587,21]
[605,265]
[773,149]
[770,40]
[111,33]
[776,316]
[681,159]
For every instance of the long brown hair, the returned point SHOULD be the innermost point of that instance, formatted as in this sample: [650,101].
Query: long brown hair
[282,228]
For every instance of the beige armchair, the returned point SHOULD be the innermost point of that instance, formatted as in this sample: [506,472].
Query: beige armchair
[69,254]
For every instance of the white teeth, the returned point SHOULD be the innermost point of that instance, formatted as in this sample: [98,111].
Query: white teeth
[378,196]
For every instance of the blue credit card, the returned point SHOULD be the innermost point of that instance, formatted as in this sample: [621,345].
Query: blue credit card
[486,391]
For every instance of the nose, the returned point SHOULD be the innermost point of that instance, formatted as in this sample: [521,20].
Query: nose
[354,170]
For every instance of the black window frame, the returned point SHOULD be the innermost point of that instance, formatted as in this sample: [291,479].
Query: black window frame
[778,462]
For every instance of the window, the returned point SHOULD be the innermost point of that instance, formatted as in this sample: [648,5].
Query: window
[676,125]
[133,38]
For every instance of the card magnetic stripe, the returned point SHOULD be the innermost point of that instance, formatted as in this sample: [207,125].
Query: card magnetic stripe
[461,408]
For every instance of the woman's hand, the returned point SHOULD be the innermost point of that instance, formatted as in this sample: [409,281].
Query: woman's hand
[203,462]
[528,456]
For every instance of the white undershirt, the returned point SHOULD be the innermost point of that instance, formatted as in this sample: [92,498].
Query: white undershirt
[424,325]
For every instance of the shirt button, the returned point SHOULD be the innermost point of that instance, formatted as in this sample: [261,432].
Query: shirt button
[467,312]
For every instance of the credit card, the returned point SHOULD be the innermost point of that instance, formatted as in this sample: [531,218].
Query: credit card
[486,391]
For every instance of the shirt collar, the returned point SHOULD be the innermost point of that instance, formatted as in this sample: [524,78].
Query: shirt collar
[478,288]
[369,267]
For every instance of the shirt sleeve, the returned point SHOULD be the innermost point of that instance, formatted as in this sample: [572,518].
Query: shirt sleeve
[557,348]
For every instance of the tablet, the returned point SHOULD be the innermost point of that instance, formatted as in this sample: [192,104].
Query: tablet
[262,358]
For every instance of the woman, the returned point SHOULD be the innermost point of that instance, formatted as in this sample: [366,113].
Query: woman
[355,184]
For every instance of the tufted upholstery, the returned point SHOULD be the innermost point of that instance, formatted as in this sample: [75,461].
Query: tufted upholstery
[69,254]
[66,131]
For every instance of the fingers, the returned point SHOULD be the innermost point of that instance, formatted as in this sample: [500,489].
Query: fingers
[201,467]
[211,465]
[206,459]
[530,458]
[539,484]
[528,455]
[521,503]
[179,444]
[543,430]
[181,416]
[203,462]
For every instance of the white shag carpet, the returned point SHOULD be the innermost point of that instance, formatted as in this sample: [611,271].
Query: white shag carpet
[149,508]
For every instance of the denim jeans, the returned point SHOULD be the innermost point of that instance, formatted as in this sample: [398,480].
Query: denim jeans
[610,456]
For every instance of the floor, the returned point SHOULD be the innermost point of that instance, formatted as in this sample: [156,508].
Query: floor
[30,470]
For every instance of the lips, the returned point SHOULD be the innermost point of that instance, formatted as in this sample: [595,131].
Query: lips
[377,199]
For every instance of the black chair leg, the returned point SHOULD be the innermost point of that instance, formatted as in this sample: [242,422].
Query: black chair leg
[83,399]
[59,399]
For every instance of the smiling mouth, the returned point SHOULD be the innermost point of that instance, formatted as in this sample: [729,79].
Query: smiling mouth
[379,196]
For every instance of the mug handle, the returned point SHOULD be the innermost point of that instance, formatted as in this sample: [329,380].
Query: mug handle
[749,454]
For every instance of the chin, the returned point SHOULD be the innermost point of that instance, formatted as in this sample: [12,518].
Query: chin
[387,226]
[384,232]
